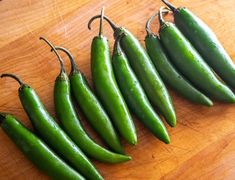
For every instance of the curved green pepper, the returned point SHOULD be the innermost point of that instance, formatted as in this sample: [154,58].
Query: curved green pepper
[71,124]
[91,106]
[191,64]
[51,133]
[135,95]
[206,42]
[168,72]
[36,150]
[107,88]
[145,71]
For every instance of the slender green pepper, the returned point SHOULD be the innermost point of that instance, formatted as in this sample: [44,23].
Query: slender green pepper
[91,106]
[145,71]
[51,133]
[107,88]
[135,95]
[206,42]
[36,150]
[168,72]
[70,121]
[190,63]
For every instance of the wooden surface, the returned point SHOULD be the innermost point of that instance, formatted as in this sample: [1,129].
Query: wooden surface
[203,143]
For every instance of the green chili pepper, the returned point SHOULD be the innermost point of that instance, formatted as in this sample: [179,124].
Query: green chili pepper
[70,122]
[135,95]
[51,132]
[145,71]
[107,88]
[36,150]
[91,106]
[190,63]
[206,42]
[168,72]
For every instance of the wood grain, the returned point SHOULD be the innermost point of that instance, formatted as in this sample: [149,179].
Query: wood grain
[202,145]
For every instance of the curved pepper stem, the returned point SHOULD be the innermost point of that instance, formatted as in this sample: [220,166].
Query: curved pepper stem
[168,4]
[13,76]
[148,23]
[117,47]
[62,69]
[71,58]
[160,16]
[2,117]
[111,23]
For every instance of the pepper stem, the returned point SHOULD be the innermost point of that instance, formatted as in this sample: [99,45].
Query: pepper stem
[62,69]
[101,22]
[173,8]
[111,23]
[14,77]
[117,47]
[160,16]
[71,58]
[148,23]
[2,117]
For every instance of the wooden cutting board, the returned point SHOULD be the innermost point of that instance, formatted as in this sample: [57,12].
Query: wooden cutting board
[203,143]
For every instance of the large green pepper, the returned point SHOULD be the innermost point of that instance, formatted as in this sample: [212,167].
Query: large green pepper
[36,150]
[107,89]
[69,119]
[168,72]
[47,128]
[206,42]
[145,71]
[135,95]
[91,107]
[189,62]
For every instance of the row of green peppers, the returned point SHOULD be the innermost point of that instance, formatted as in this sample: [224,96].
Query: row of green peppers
[132,80]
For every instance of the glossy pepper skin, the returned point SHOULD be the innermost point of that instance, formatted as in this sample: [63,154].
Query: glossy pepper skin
[168,72]
[145,71]
[191,64]
[70,121]
[72,126]
[52,134]
[91,107]
[135,95]
[148,76]
[206,42]
[36,150]
[107,89]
